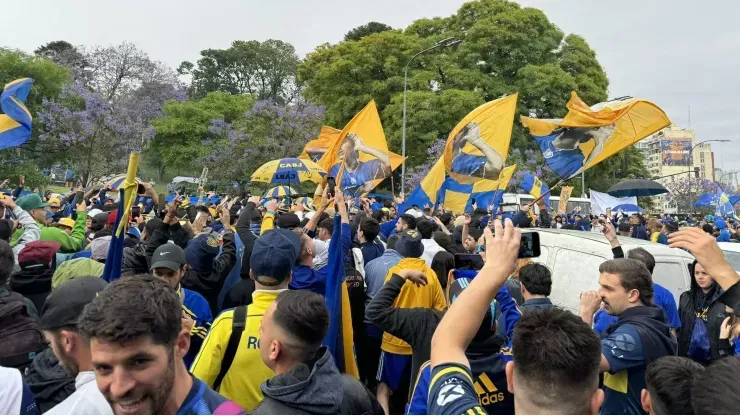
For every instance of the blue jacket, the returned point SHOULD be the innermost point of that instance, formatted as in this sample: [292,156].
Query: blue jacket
[490,368]
[306,277]
[388,228]
[234,276]
[196,306]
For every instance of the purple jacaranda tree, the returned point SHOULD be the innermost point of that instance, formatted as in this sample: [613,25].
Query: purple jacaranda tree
[94,133]
[685,191]
[267,131]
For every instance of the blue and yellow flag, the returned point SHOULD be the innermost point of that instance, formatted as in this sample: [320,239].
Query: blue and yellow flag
[437,189]
[127,190]
[315,149]
[363,151]
[588,135]
[477,147]
[724,207]
[534,186]
[15,124]
[339,337]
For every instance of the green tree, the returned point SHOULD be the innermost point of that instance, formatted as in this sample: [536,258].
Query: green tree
[506,48]
[180,132]
[367,29]
[48,77]
[266,70]
[65,54]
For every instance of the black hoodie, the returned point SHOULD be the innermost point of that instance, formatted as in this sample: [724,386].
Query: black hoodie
[655,333]
[688,305]
[312,388]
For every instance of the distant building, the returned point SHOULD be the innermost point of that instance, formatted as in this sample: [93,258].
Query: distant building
[671,151]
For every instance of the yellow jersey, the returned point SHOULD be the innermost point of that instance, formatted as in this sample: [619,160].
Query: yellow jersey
[411,296]
[241,383]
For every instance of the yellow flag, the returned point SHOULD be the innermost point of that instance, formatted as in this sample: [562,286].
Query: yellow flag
[565,192]
[362,148]
[477,147]
[315,149]
[588,135]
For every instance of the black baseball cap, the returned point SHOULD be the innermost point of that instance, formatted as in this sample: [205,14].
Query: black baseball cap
[409,244]
[169,256]
[65,304]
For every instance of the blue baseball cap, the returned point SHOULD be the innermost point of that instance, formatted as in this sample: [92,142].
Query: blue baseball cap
[274,255]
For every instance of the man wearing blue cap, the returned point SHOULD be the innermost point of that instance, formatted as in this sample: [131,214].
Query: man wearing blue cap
[229,360]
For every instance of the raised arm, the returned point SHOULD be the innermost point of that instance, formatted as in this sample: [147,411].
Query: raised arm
[463,318]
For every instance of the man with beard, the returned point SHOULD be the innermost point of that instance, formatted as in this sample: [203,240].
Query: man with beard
[640,336]
[59,322]
[137,343]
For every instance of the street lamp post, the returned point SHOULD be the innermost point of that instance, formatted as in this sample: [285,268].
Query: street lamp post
[691,152]
[442,43]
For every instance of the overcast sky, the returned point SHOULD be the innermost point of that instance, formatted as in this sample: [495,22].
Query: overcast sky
[677,53]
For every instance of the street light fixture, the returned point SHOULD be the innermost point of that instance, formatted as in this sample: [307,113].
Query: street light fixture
[444,43]
[691,151]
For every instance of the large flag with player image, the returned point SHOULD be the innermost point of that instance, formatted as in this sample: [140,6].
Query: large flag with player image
[588,135]
[477,147]
[503,183]
[15,123]
[314,150]
[362,149]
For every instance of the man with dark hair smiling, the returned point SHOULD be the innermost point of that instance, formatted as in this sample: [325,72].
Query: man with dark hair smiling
[137,345]
[640,336]
[306,378]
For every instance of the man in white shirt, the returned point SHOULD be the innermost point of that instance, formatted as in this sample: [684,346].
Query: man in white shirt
[59,322]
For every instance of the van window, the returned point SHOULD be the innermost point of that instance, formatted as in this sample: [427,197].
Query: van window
[670,275]
[573,272]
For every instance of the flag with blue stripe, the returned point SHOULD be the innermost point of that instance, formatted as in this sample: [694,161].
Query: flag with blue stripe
[114,260]
[534,186]
[15,123]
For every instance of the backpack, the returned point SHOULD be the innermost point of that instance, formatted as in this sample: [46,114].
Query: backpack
[238,324]
[699,349]
[20,333]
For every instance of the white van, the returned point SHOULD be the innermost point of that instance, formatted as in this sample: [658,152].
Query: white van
[574,257]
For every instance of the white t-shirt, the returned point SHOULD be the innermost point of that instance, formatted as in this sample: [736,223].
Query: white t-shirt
[11,391]
[86,400]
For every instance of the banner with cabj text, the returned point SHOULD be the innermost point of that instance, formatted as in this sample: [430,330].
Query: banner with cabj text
[589,135]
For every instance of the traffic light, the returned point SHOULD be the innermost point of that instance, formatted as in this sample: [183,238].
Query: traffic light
[696,172]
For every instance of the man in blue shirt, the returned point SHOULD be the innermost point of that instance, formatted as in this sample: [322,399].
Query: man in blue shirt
[724,235]
[662,296]
[640,336]
[359,177]
[169,264]
[137,344]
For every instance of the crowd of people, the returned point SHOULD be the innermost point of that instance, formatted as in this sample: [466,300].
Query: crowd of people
[222,309]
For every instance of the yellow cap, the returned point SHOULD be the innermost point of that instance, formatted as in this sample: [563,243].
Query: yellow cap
[67,222]
[55,202]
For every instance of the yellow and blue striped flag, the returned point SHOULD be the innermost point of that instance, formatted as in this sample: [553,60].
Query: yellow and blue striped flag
[15,124]
[114,260]
[503,183]
[534,186]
